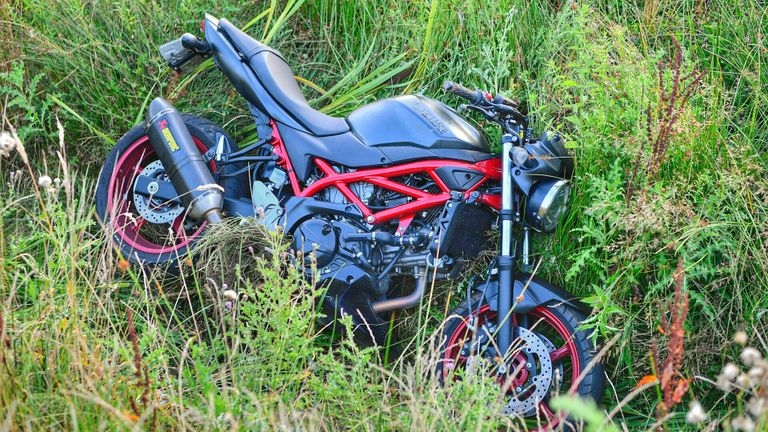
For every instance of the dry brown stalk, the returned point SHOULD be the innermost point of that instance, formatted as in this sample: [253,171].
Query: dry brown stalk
[3,340]
[672,103]
[673,384]
[142,373]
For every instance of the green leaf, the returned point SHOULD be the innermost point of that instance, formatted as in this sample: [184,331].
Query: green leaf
[67,108]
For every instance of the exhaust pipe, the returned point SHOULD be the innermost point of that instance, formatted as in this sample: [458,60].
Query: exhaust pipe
[183,163]
[404,302]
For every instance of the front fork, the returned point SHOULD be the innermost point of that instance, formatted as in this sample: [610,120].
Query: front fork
[507,328]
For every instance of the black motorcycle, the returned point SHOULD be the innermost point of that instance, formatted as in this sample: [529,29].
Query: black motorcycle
[403,187]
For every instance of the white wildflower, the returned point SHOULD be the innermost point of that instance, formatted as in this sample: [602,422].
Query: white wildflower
[44,182]
[230,295]
[756,373]
[741,338]
[743,380]
[57,183]
[696,413]
[743,423]
[726,377]
[750,355]
[8,143]
[730,371]
[757,406]
[723,384]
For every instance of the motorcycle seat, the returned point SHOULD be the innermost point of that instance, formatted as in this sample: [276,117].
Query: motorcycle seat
[396,130]
[276,76]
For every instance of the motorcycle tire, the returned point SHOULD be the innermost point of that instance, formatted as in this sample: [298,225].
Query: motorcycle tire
[570,351]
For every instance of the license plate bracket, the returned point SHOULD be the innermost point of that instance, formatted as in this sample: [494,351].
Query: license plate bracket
[178,57]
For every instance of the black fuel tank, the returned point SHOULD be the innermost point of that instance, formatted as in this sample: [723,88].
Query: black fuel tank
[415,120]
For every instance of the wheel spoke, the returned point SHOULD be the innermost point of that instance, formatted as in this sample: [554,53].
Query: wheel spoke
[177,228]
[559,353]
[545,408]
[139,223]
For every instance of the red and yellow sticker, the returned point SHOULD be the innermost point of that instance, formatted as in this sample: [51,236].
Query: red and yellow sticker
[167,134]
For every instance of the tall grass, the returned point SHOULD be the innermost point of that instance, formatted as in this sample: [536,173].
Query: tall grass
[90,343]
[68,358]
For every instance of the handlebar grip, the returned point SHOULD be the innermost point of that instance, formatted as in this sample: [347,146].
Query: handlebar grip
[189,41]
[473,96]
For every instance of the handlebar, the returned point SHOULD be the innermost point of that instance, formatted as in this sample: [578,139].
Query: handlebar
[185,52]
[499,109]
[473,96]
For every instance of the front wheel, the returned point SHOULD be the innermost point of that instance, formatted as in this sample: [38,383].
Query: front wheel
[548,357]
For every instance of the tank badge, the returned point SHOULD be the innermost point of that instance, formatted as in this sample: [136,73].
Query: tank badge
[167,135]
[430,117]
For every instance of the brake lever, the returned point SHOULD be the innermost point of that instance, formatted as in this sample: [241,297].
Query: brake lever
[502,100]
[498,113]
[509,110]
[489,115]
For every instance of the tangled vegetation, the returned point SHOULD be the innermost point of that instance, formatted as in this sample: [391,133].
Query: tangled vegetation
[664,104]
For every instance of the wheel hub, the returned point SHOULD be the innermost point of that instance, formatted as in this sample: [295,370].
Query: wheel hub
[154,210]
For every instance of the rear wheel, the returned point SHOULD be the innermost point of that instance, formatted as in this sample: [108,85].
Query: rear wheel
[549,357]
[145,230]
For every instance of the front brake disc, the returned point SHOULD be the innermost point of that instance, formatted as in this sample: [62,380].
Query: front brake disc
[526,396]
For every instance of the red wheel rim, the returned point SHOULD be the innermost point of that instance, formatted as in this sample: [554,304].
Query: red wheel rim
[539,316]
[127,225]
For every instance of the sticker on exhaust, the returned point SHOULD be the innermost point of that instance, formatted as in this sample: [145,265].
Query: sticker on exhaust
[169,139]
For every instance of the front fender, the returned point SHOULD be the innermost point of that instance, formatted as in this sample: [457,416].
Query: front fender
[535,292]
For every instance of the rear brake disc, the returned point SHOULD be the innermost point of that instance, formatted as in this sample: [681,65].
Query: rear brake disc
[154,210]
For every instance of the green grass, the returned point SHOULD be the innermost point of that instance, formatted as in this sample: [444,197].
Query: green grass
[587,69]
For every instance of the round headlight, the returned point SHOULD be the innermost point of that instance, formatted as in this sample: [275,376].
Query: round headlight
[547,204]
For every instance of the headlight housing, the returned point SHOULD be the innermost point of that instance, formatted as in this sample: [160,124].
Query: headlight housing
[547,203]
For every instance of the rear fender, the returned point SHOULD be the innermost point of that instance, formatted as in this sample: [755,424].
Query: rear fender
[532,292]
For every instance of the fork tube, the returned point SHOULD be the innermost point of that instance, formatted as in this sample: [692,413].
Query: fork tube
[506,258]
[526,250]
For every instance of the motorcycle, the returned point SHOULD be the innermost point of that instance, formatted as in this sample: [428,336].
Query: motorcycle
[402,188]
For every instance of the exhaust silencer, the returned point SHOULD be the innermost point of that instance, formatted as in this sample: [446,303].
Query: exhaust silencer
[183,163]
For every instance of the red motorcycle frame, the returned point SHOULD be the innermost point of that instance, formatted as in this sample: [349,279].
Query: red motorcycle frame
[491,170]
